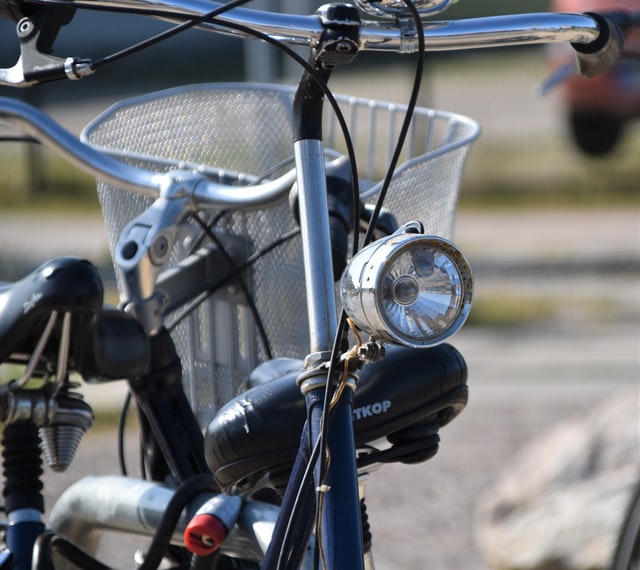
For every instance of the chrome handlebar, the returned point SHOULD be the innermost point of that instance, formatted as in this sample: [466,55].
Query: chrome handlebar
[203,193]
[399,36]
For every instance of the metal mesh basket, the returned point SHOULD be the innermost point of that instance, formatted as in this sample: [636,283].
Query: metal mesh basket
[247,129]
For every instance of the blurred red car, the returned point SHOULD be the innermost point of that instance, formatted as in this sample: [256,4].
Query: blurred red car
[599,107]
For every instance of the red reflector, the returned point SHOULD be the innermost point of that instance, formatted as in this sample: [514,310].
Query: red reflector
[204,534]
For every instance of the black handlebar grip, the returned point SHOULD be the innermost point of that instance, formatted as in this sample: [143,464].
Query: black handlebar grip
[340,203]
[603,52]
[340,207]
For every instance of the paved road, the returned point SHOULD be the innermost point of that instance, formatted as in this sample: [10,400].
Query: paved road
[521,385]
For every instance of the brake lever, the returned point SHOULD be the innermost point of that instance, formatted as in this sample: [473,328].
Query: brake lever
[35,66]
[557,77]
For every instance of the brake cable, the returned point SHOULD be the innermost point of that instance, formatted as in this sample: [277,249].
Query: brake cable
[193,21]
[413,101]
[343,325]
[161,36]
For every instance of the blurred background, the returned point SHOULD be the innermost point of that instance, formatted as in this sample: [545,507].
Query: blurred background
[550,219]
[496,87]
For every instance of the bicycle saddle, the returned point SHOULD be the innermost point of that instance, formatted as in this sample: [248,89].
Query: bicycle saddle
[406,397]
[65,284]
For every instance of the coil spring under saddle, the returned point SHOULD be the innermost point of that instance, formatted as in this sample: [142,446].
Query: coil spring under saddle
[22,467]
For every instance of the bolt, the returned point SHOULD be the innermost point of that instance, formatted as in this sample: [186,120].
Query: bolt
[160,247]
[24,26]
[371,351]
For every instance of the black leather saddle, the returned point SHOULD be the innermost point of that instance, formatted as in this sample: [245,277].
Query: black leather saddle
[65,284]
[105,344]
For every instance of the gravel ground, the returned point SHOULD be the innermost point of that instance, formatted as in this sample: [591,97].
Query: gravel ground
[521,384]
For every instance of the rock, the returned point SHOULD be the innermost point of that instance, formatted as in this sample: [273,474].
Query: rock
[560,502]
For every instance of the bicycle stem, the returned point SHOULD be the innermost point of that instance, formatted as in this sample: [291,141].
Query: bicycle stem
[339,535]
[321,305]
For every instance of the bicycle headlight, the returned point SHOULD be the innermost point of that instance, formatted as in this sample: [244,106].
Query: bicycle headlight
[408,289]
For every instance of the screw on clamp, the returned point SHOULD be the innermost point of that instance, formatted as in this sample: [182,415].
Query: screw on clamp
[340,38]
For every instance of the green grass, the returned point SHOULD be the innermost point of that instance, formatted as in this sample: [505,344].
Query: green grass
[513,310]
[34,178]
[549,173]
[499,174]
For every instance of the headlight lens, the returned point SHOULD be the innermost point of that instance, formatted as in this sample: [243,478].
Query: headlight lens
[408,289]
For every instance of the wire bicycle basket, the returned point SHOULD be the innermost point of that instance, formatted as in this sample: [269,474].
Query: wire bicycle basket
[246,128]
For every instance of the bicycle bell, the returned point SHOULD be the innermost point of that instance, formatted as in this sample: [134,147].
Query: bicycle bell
[392,8]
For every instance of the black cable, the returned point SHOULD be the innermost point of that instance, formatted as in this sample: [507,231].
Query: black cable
[75,555]
[195,303]
[303,63]
[262,333]
[328,94]
[320,446]
[219,215]
[191,23]
[306,478]
[342,326]
[161,540]
[281,240]
[198,241]
[413,100]
[122,420]
[341,331]
[186,492]
[328,417]
[19,138]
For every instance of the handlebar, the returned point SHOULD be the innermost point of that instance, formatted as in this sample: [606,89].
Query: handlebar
[203,192]
[40,126]
[596,40]
[445,35]
[398,36]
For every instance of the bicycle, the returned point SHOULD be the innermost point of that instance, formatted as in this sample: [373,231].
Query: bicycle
[210,230]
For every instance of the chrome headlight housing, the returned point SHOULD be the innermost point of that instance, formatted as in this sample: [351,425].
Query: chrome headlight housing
[408,289]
